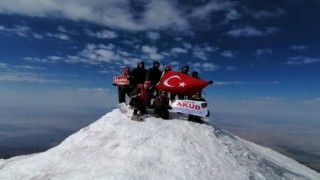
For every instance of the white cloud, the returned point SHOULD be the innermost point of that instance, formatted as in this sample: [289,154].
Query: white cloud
[204,11]
[204,66]
[54,58]
[152,53]
[201,51]
[228,83]
[268,14]
[62,29]
[94,54]
[2,28]
[231,68]
[12,68]
[300,60]
[178,39]
[251,83]
[59,36]
[200,54]
[17,29]
[149,50]
[264,100]
[33,59]
[110,46]
[315,101]
[228,54]
[72,59]
[21,30]
[178,50]
[105,34]
[25,77]
[156,57]
[3,65]
[24,73]
[260,52]
[250,31]
[125,53]
[299,47]
[232,15]
[37,36]
[153,36]
[27,67]
[105,55]
[174,63]
[49,59]
[162,15]
[120,14]
[58,98]
[209,67]
[111,13]
[187,45]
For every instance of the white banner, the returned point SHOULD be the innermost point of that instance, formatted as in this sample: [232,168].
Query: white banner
[197,108]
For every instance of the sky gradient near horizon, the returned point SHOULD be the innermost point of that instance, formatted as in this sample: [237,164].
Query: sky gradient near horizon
[58,56]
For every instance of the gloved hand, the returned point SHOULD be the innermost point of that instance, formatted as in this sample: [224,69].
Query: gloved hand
[210,82]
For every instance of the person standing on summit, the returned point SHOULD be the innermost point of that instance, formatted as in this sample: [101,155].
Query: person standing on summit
[184,70]
[124,90]
[153,75]
[139,74]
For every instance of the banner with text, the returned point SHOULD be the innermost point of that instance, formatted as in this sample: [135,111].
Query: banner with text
[197,108]
[120,80]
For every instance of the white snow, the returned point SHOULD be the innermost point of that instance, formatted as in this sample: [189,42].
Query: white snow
[114,147]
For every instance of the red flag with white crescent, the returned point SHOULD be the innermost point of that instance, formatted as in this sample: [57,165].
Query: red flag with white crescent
[180,83]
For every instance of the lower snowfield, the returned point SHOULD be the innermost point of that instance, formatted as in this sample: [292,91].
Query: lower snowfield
[114,147]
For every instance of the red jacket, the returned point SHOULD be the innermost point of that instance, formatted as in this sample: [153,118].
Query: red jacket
[161,101]
[141,93]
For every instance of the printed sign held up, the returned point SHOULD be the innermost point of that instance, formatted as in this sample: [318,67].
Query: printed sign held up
[120,80]
[197,108]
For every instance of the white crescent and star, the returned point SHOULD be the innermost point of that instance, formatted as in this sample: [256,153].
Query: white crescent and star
[166,82]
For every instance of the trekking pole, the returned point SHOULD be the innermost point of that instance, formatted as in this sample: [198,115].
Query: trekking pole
[204,93]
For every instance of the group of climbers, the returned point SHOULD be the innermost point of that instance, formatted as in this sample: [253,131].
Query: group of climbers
[142,89]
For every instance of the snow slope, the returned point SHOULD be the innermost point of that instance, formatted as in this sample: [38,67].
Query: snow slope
[114,147]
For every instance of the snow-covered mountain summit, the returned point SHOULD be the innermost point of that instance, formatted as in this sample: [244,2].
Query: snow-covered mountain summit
[114,147]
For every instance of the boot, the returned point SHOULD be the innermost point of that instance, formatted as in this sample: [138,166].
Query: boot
[135,117]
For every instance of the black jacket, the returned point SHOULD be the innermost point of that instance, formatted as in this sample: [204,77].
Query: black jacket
[139,75]
[153,75]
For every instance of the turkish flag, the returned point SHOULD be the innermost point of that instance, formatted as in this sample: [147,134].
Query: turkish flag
[180,83]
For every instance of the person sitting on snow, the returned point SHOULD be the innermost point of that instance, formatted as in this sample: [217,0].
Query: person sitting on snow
[139,98]
[161,105]
[196,97]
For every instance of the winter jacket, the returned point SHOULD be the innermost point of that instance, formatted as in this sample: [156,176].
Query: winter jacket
[128,74]
[160,101]
[140,94]
[139,74]
[153,74]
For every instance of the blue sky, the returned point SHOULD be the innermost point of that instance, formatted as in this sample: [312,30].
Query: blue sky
[263,56]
